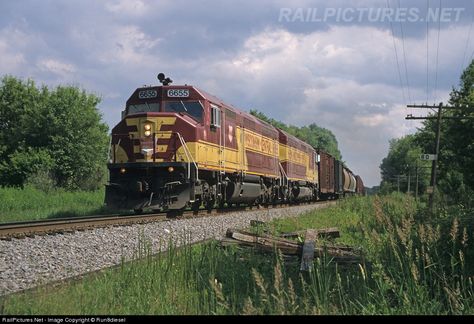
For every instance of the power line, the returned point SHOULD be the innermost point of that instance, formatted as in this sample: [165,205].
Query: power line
[437,51]
[427,47]
[404,55]
[467,43]
[396,58]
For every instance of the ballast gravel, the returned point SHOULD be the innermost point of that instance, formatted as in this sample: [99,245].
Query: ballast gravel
[29,262]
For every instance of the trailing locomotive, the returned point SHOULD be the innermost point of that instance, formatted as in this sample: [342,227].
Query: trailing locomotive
[178,147]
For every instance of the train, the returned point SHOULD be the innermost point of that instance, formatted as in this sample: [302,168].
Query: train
[179,147]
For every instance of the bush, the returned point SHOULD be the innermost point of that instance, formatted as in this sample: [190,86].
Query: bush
[42,180]
[59,131]
[20,165]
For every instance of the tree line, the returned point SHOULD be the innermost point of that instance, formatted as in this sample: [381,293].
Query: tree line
[312,134]
[51,137]
[456,158]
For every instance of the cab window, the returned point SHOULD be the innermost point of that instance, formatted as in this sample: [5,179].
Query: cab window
[191,108]
[215,116]
[143,107]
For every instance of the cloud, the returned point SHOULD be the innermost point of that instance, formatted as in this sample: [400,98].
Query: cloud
[127,7]
[130,45]
[56,67]
[370,121]
[10,61]
[12,43]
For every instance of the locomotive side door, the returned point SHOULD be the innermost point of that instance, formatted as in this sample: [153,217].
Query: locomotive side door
[218,126]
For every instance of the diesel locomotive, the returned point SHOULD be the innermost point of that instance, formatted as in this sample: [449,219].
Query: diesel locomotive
[179,146]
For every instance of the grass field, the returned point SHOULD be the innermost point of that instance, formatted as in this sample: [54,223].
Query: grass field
[416,264]
[30,203]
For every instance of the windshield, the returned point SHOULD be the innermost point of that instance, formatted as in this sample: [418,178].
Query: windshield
[192,108]
[144,107]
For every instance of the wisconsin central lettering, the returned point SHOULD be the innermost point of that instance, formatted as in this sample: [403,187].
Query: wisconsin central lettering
[259,143]
[296,156]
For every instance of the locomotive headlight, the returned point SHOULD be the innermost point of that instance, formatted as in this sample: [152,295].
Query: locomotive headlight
[170,169]
[123,170]
[147,127]
[147,133]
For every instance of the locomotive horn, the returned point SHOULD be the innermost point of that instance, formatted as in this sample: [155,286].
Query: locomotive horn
[165,81]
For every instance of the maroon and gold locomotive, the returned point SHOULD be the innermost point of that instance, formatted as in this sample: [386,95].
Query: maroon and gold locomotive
[178,147]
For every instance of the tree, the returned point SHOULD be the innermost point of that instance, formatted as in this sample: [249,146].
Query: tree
[57,130]
[456,159]
[312,134]
[402,159]
[459,134]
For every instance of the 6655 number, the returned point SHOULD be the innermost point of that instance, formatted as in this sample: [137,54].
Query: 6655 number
[178,93]
[145,94]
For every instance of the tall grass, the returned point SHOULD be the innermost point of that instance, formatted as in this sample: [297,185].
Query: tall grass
[30,203]
[416,263]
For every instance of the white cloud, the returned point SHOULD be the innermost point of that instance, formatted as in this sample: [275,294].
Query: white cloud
[10,60]
[127,7]
[128,44]
[12,45]
[56,67]
[370,121]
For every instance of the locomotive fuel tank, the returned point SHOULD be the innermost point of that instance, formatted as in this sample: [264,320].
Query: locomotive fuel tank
[245,192]
[302,193]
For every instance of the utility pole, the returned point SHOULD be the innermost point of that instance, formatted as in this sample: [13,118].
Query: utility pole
[408,188]
[440,107]
[416,175]
[398,183]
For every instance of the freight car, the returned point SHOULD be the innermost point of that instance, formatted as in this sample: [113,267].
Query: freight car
[178,147]
[360,189]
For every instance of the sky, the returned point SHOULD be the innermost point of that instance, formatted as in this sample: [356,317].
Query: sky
[348,66]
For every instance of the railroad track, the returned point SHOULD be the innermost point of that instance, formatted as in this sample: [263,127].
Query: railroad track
[70,225]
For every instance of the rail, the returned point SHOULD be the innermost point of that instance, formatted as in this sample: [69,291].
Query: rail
[69,225]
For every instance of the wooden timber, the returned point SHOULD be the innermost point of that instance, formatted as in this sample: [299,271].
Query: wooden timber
[268,243]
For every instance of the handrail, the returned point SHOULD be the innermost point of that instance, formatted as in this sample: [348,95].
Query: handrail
[116,146]
[109,157]
[284,173]
[189,156]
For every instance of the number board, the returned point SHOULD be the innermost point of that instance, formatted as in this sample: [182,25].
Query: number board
[178,93]
[428,157]
[146,94]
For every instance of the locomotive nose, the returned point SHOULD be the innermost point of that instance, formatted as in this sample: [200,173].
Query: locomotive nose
[152,137]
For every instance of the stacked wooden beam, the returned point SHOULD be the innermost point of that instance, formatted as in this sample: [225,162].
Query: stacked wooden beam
[313,247]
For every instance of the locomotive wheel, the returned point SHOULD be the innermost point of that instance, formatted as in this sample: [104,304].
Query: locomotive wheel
[221,204]
[210,204]
[195,205]
[138,211]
